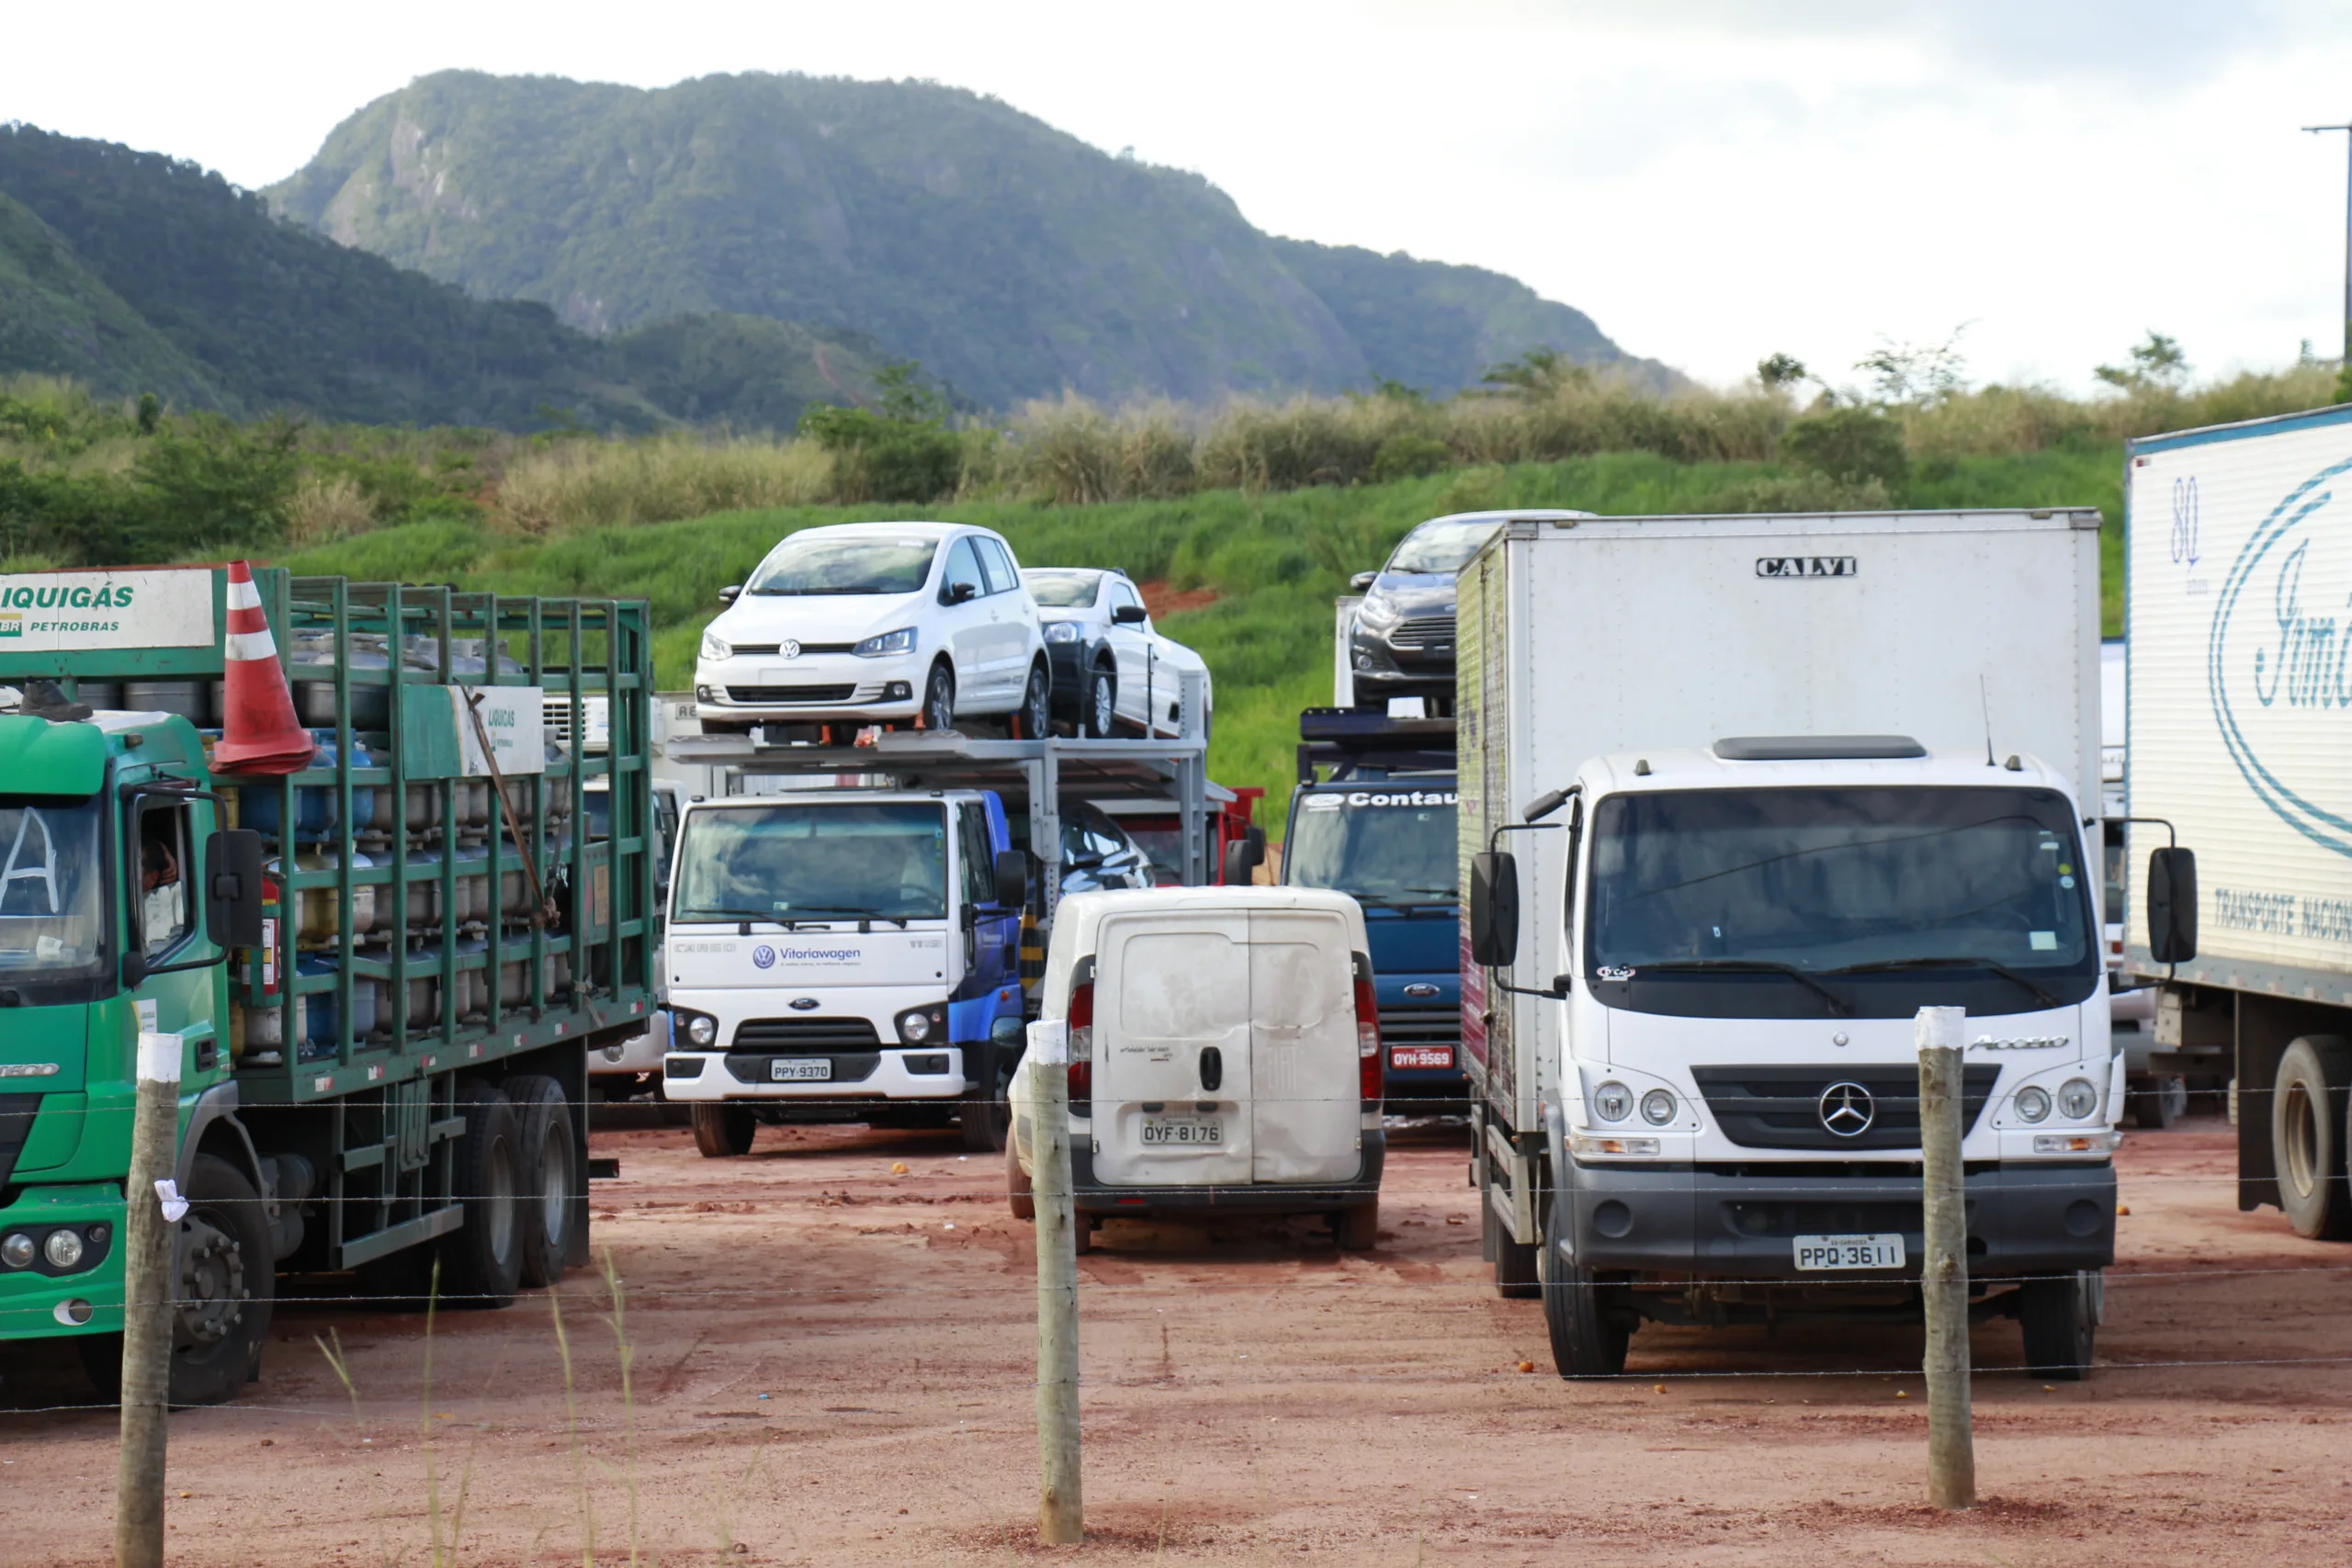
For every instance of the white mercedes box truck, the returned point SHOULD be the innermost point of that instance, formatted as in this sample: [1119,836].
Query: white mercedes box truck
[1739,795]
[2239,794]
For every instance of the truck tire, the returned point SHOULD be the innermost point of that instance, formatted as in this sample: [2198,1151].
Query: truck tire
[724,1132]
[481,1260]
[2058,1318]
[225,1275]
[1357,1226]
[1582,1312]
[2161,1102]
[1019,1196]
[986,1114]
[546,1151]
[2307,1135]
[1515,1276]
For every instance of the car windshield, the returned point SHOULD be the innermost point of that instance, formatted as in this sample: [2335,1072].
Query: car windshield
[53,894]
[1440,547]
[823,560]
[1840,881]
[1064,590]
[807,860]
[1386,847]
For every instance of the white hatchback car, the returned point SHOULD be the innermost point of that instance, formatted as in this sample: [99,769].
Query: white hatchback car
[1111,669]
[921,622]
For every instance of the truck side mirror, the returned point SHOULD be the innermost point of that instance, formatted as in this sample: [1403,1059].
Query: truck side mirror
[232,872]
[1362,580]
[1013,878]
[1494,909]
[2172,906]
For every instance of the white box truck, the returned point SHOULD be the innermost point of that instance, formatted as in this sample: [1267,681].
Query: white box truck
[1739,795]
[2239,726]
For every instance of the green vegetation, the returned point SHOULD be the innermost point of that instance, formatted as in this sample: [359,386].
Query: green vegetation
[1011,258]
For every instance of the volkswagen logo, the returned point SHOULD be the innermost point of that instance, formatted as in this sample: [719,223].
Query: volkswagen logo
[763,956]
[1420,990]
[1847,1110]
[803,1004]
[788,648]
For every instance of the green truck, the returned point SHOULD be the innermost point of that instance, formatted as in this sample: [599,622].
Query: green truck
[386,969]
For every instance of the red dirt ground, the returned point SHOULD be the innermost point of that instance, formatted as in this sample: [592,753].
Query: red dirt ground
[1161,599]
[831,1364]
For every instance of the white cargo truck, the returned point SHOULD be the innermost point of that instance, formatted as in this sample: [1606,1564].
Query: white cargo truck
[1739,795]
[2239,567]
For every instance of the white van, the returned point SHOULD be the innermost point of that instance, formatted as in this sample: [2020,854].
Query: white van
[1225,1057]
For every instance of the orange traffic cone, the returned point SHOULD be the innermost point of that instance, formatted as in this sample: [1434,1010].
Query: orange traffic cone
[259,733]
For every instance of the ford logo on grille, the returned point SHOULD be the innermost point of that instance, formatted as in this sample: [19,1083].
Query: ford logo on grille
[802,1004]
[1420,990]
[1847,1110]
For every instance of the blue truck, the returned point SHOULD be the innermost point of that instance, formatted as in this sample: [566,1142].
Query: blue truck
[1374,817]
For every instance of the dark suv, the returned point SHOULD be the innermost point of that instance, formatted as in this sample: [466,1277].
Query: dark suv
[1400,643]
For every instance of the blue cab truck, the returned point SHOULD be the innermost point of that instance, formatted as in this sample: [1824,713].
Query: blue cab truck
[1374,817]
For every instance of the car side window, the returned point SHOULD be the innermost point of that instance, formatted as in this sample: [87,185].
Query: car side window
[998,565]
[164,920]
[962,567]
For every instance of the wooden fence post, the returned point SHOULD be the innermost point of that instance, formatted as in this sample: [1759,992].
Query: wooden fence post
[1943,1272]
[147,1244]
[1061,1515]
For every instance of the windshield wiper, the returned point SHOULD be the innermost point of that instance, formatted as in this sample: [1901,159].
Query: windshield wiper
[1890,965]
[1756,966]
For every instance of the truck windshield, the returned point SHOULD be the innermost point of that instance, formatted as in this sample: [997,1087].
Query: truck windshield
[822,561]
[53,896]
[813,862]
[1842,899]
[1390,847]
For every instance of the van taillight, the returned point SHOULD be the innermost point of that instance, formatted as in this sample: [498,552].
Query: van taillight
[1368,1063]
[1081,1048]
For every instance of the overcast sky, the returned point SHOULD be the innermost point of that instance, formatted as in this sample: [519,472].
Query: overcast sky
[1711,180]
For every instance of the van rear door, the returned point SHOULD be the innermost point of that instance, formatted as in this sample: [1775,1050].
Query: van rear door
[1304,1105]
[1173,1003]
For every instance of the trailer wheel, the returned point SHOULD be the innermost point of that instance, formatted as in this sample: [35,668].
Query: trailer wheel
[1019,1195]
[1583,1313]
[223,1275]
[2059,1315]
[2161,1102]
[545,1158]
[2307,1132]
[1515,1275]
[1357,1226]
[724,1132]
[481,1260]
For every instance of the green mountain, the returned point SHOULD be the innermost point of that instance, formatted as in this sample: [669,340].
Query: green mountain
[1010,258]
[138,272]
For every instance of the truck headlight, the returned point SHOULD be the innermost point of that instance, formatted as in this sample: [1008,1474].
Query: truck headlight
[717,646]
[1612,1102]
[63,1249]
[2032,1103]
[702,1031]
[1657,1107]
[2078,1099]
[16,1251]
[916,1027]
[1061,631]
[899,641]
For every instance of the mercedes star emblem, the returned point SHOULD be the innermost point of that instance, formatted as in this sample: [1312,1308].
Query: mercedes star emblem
[1847,1110]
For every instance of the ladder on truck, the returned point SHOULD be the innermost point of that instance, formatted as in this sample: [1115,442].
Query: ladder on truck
[1358,745]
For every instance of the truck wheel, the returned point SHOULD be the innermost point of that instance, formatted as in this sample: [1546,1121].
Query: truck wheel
[1357,1226]
[1583,1313]
[545,1153]
[2058,1318]
[1099,719]
[1515,1276]
[2307,1130]
[1019,1195]
[2161,1102]
[224,1276]
[723,1131]
[481,1260]
[987,1115]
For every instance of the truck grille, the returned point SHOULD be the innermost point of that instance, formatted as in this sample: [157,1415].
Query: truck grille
[815,1035]
[1420,1026]
[764,694]
[1781,1108]
[1424,631]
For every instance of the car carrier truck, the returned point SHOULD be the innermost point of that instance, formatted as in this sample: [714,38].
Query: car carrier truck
[1739,795]
[385,968]
[2239,793]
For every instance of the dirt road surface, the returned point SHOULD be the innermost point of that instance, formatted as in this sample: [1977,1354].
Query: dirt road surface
[831,1363]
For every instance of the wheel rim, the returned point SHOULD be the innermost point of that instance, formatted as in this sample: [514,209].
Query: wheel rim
[2299,1155]
[1033,707]
[555,1183]
[498,1199]
[939,708]
[1106,702]
[211,1282]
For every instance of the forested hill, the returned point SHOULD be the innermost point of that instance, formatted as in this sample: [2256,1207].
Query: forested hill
[137,272]
[1013,259]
